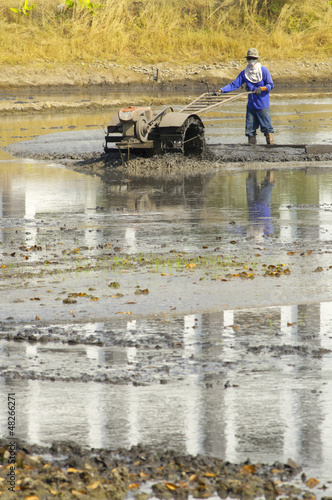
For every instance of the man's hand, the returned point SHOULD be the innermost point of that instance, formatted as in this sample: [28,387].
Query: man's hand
[259,90]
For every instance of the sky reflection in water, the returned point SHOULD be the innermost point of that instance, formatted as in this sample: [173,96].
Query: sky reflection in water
[277,407]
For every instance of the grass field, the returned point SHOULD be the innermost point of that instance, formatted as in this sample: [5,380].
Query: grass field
[152,31]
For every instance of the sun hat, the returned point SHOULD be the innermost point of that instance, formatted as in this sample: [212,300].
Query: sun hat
[252,53]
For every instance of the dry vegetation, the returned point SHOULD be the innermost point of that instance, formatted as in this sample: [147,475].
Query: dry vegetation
[152,31]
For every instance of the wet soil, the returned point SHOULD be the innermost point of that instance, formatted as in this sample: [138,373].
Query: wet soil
[69,471]
[69,284]
[215,157]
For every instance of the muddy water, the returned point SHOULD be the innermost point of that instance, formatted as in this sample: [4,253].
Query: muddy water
[312,125]
[213,372]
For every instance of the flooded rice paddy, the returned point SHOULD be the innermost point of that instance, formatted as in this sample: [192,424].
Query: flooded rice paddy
[189,312]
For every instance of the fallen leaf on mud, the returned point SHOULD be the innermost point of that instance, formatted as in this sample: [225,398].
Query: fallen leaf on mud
[38,318]
[32,497]
[114,284]
[165,274]
[72,470]
[191,265]
[291,253]
[124,312]
[69,301]
[142,292]
[233,242]
[171,486]
[248,469]
[77,494]
[318,269]
[143,475]
[133,485]
[312,482]
[193,477]
[128,302]
[210,474]
[94,485]
[292,324]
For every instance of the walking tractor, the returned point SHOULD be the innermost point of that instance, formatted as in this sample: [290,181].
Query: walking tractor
[139,129]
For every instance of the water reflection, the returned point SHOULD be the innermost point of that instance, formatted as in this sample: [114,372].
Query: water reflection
[283,409]
[259,199]
[187,212]
[275,406]
[33,188]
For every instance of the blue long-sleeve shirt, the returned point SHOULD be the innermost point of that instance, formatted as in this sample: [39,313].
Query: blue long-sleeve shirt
[261,101]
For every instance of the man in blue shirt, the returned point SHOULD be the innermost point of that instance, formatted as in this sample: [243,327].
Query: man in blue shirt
[257,80]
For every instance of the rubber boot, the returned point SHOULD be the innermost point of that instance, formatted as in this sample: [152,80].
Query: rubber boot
[252,140]
[269,138]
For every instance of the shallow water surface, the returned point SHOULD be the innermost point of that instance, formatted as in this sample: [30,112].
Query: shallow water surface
[223,379]
[236,384]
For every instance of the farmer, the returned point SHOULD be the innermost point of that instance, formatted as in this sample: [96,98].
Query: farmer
[257,79]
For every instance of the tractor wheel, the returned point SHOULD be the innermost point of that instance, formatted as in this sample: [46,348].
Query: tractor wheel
[141,129]
[193,136]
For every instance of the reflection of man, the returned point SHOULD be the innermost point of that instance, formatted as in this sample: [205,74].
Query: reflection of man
[259,204]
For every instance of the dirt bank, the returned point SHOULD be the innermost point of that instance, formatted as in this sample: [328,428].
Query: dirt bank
[285,73]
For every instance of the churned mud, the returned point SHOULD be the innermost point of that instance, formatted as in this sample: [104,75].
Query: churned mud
[216,157]
[68,471]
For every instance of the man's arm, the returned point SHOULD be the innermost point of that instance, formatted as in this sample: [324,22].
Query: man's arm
[236,84]
[267,79]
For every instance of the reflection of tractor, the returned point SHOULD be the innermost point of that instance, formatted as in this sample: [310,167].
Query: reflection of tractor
[139,129]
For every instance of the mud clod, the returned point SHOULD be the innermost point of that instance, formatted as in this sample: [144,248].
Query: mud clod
[100,473]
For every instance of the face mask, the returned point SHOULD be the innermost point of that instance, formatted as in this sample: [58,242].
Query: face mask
[252,63]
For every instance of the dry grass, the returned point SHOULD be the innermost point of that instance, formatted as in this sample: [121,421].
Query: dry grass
[151,31]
